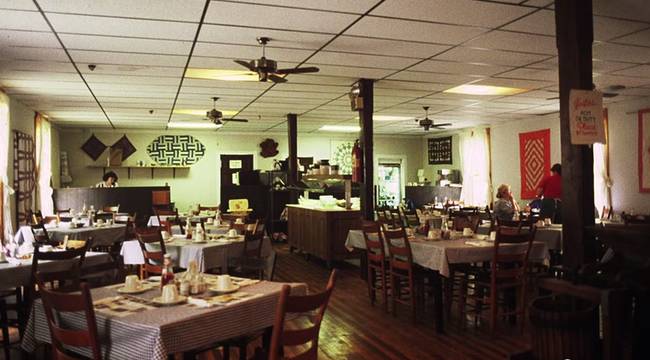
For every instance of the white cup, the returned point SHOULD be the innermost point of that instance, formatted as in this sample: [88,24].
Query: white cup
[164,234]
[100,221]
[132,282]
[224,282]
[210,221]
[239,221]
[169,293]
[46,248]
[232,233]
[493,235]
[467,232]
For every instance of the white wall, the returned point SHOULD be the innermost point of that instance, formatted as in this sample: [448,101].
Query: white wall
[21,118]
[505,149]
[200,184]
[623,150]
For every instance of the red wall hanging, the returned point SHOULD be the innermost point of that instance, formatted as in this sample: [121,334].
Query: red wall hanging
[534,160]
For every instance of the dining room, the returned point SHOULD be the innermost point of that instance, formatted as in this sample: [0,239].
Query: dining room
[376,179]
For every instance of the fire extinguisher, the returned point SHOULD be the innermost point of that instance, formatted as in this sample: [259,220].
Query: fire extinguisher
[357,163]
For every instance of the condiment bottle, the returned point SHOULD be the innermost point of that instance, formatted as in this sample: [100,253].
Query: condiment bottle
[167,276]
[188,228]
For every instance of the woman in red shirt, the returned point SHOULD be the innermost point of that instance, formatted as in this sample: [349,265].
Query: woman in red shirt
[550,190]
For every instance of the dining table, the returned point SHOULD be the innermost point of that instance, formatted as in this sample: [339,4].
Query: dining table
[136,327]
[153,219]
[102,234]
[550,234]
[439,255]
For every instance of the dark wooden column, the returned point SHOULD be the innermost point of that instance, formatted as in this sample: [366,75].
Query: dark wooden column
[292,126]
[574,32]
[366,143]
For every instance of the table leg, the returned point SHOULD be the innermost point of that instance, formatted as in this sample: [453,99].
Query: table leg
[363,265]
[436,282]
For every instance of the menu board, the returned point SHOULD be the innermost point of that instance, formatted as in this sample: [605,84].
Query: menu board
[440,150]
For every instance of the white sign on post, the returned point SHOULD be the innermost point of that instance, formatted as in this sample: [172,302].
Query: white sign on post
[586,117]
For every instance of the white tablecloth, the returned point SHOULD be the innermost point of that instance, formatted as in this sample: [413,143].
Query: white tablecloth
[102,236]
[153,220]
[209,255]
[437,255]
[550,234]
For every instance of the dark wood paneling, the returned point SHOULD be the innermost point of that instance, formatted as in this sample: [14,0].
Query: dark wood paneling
[421,195]
[366,91]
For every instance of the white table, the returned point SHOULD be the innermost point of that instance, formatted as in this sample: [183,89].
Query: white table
[208,255]
[549,234]
[105,235]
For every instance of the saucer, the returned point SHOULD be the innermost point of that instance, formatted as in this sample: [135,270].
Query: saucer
[199,241]
[218,290]
[141,289]
[179,300]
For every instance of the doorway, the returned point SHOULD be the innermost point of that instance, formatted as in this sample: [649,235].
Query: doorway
[389,183]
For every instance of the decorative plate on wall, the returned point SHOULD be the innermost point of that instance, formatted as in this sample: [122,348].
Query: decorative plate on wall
[342,155]
[176,150]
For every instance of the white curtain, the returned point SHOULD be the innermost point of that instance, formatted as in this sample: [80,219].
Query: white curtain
[43,154]
[475,168]
[7,191]
[601,180]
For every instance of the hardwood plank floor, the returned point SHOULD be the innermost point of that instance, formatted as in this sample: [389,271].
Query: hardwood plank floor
[353,329]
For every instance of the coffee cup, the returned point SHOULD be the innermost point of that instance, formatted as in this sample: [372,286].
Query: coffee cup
[132,282]
[169,293]
[493,235]
[467,232]
[232,233]
[239,221]
[224,282]
[210,221]
[539,223]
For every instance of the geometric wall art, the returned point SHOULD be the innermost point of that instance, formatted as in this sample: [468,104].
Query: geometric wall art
[534,160]
[341,155]
[93,147]
[176,150]
[125,145]
[440,150]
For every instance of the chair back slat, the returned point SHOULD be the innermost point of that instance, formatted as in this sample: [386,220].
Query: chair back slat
[374,241]
[57,302]
[292,337]
[253,245]
[399,249]
[153,259]
[511,252]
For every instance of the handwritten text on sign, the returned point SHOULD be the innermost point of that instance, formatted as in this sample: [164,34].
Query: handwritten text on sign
[586,117]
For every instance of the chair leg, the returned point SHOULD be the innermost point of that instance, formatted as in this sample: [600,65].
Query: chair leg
[371,285]
[395,293]
[462,299]
[414,298]
[384,289]
[5,329]
[226,352]
[493,309]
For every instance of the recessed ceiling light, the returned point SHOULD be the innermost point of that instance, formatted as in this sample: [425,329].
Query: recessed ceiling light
[224,75]
[196,112]
[193,125]
[470,89]
[340,128]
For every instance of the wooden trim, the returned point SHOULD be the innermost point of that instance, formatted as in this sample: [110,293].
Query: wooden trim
[640,149]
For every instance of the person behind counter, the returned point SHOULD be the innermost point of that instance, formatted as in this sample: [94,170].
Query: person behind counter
[505,206]
[109,180]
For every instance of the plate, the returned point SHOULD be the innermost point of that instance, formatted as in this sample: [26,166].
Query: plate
[153,278]
[179,300]
[217,290]
[141,289]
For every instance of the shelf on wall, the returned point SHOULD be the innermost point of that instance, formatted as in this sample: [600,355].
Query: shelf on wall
[128,168]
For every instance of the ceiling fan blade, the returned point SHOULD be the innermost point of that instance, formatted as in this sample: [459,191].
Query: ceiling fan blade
[441,125]
[303,70]
[246,64]
[277,79]
[235,120]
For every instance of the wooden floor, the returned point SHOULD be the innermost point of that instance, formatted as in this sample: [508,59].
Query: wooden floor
[353,329]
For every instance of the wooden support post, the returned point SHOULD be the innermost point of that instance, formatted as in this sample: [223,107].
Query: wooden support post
[574,35]
[292,177]
[366,143]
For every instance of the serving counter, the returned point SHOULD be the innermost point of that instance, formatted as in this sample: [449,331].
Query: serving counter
[322,232]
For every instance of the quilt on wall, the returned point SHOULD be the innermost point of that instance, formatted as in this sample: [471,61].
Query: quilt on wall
[534,160]
[176,150]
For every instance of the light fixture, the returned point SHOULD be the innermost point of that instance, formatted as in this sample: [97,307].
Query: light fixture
[193,125]
[220,74]
[340,128]
[470,89]
[196,112]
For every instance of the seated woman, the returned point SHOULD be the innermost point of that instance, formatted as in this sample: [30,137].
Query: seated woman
[505,206]
[108,180]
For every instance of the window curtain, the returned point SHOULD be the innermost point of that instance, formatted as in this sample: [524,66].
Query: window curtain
[475,167]
[5,190]
[602,181]
[43,143]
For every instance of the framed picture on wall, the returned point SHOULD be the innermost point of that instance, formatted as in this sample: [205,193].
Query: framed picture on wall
[439,150]
[644,150]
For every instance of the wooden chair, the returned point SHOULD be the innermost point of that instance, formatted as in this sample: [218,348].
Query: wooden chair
[462,220]
[251,262]
[411,218]
[6,322]
[63,211]
[41,236]
[396,218]
[508,272]
[283,335]
[56,303]
[401,271]
[232,218]
[245,228]
[64,279]
[153,259]
[376,258]
[34,217]
[170,218]
[111,208]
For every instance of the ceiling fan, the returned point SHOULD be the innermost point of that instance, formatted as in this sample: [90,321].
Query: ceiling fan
[216,116]
[427,123]
[267,69]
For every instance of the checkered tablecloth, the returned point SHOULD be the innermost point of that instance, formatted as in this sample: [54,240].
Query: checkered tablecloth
[155,333]
[209,255]
[437,255]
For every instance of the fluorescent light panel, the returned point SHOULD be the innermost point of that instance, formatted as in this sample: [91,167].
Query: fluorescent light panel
[340,128]
[470,89]
[220,74]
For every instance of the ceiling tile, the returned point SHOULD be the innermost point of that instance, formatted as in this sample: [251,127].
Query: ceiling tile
[33,53]
[413,30]
[364,45]
[357,7]
[608,28]
[640,38]
[516,83]
[640,71]
[349,71]
[505,40]
[345,59]
[186,10]
[118,44]
[541,22]
[22,20]
[602,81]
[27,38]
[81,24]
[409,85]
[433,77]
[247,36]
[264,16]
[452,12]
[451,67]
[102,57]
[624,53]
[493,57]
[247,52]
[624,9]
[132,70]
[533,74]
